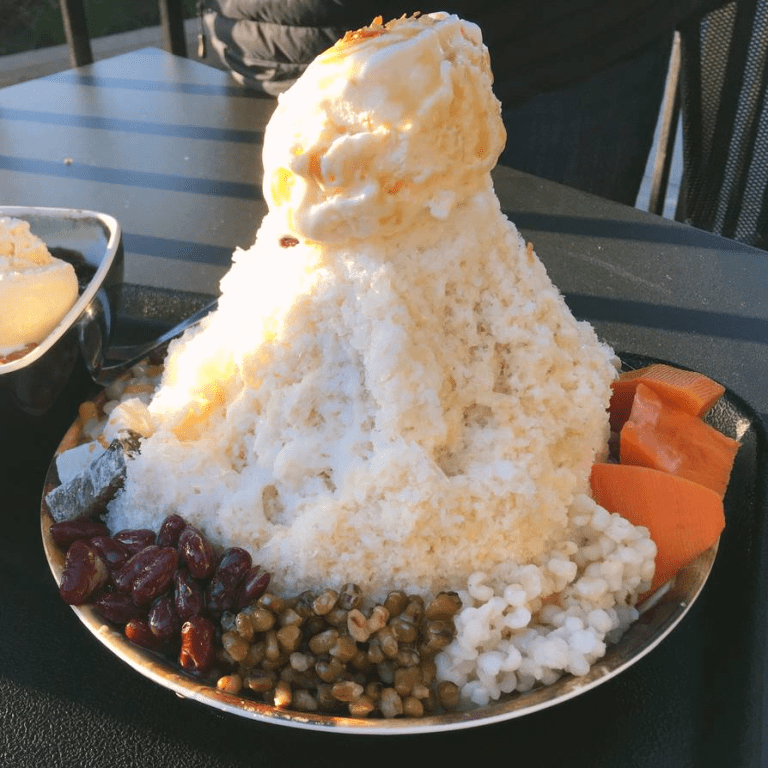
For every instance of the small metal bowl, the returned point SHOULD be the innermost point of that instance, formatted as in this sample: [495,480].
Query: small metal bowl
[40,391]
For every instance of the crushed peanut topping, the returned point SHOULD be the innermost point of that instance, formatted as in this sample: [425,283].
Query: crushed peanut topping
[374,29]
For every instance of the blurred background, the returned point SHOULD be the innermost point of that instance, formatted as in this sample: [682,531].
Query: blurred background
[33,44]
[32,24]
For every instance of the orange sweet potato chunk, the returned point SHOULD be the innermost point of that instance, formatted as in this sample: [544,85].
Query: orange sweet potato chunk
[684,518]
[691,392]
[660,436]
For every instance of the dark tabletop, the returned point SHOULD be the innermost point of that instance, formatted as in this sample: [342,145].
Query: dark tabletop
[171,148]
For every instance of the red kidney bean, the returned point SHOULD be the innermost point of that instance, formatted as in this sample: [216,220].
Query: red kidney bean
[112,552]
[221,594]
[196,551]
[197,652]
[135,539]
[153,579]
[65,532]
[118,608]
[170,530]
[187,595]
[124,578]
[84,573]
[163,620]
[252,587]
[138,632]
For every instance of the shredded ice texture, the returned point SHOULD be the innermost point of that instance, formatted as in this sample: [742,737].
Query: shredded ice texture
[392,392]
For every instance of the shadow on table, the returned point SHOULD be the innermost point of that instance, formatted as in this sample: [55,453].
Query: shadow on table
[719,324]
[621,229]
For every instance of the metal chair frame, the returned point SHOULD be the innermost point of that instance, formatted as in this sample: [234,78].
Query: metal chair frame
[668,121]
[79,41]
[718,89]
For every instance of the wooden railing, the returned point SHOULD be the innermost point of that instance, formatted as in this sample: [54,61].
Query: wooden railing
[79,41]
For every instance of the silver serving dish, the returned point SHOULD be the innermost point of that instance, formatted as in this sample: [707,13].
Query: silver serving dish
[43,387]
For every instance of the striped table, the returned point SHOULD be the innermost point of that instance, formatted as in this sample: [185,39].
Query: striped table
[168,146]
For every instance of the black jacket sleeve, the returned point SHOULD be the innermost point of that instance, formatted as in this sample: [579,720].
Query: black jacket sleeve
[535,45]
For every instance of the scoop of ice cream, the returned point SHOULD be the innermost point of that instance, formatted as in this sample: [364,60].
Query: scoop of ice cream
[36,289]
[391,121]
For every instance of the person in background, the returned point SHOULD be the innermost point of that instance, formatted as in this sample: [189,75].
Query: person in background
[580,81]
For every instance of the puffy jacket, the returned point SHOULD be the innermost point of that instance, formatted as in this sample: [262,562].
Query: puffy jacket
[535,45]
[268,43]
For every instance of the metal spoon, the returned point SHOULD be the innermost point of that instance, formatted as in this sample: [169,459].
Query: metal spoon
[121,358]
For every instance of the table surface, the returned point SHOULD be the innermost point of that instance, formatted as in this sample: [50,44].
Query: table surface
[172,149]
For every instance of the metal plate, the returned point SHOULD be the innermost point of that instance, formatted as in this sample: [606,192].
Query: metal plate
[660,614]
